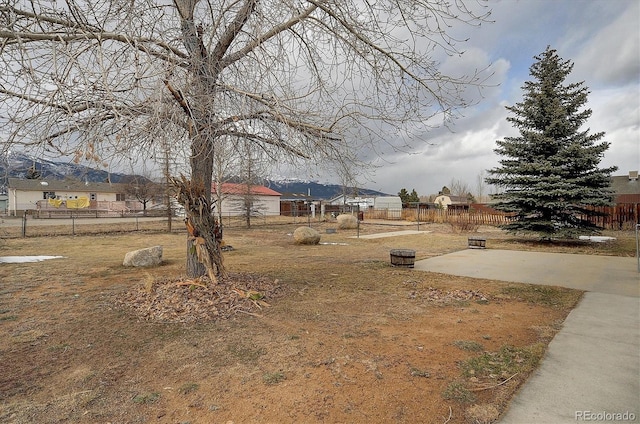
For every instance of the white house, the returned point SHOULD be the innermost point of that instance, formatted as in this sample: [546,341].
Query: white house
[25,194]
[264,201]
[446,201]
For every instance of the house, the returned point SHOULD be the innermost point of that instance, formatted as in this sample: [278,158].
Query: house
[235,197]
[448,201]
[58,195]
[626,188]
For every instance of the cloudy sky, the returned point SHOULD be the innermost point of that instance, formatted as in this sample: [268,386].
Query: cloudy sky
[601,38]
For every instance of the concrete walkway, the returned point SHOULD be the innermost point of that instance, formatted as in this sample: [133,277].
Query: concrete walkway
[591,371]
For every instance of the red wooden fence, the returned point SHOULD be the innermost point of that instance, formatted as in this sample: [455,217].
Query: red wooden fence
[623,216]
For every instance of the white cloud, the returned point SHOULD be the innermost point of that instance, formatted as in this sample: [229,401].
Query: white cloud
[611,53]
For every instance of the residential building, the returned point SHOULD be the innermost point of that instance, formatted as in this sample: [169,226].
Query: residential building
[38,194]
[235,198]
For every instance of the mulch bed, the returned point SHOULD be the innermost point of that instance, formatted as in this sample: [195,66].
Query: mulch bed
[198,300]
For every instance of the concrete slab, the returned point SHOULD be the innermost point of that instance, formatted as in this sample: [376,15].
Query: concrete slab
[591,371]
[602,274]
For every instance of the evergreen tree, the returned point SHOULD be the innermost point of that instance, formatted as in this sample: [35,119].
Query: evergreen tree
[413,197]
[550,171]
[404,195]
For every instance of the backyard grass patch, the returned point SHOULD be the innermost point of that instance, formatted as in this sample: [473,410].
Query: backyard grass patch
[347,338]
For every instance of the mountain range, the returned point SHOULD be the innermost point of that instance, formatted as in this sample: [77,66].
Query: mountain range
[18,165]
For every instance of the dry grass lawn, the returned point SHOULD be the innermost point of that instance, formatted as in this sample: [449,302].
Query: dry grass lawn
[345,338]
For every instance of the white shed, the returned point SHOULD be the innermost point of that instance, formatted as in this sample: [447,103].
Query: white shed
[387,202]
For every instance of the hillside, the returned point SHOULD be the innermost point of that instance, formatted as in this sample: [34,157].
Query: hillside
[17,165]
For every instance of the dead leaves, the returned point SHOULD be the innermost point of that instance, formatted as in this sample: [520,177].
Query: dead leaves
[197,300]
[441,297]
[254,296]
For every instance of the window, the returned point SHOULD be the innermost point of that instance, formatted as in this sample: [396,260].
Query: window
[92,196]
[120,197]
[48,195]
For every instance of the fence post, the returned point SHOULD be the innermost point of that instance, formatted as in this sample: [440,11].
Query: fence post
[24,224]
[638,246]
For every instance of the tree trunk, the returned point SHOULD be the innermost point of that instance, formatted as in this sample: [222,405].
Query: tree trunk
[204,255]
[195,269]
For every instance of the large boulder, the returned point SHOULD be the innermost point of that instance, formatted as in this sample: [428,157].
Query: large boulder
[151,256]
[306,235]
[347,222]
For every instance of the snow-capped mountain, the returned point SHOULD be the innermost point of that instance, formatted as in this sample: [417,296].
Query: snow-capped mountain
[18,165]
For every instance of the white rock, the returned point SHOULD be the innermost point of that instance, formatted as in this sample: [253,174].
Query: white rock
[151,256]
[306,235]
[347,222]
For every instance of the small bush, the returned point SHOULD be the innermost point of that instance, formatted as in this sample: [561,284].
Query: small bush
[188,388]
[272,378]
[468,345]
[146,398]
[464,226]
[459,392]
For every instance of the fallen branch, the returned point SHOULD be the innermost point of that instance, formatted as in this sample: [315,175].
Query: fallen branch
[190,283]
[450,415]
[479,389]
[249,313]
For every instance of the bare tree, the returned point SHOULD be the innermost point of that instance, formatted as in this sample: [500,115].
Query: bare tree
[253,167]
[144,190]
[224,164]
[459,188]
[300,79]
[348,174]
[481,187]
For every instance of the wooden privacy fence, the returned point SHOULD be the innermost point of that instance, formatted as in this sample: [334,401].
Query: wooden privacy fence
[623,216]
[461,216]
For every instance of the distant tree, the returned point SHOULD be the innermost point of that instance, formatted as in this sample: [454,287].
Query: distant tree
[458,188]
[348,176]
[413,197]
[445,190]
[480,187]
[144,190]
[252,166]
[470,198]
[407,197]
[404,195]
[550,171]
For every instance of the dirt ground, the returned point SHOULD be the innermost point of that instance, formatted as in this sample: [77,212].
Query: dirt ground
[336,334]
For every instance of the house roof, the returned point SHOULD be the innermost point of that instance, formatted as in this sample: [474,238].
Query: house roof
[64,185]
[626,188]
[241,189]
[622,184]
[296,197]
[456,199]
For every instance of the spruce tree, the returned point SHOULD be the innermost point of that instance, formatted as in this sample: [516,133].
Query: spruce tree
[549,173]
